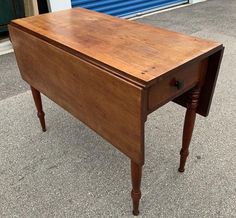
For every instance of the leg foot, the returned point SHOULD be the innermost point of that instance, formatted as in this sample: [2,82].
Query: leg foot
[181,170]
[183,157]
[188,127]
[42,120]
[135,213]
[136,174]
[39,107]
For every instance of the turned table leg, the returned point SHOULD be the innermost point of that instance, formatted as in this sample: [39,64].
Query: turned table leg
[136,174]
[188,126]
[38,104]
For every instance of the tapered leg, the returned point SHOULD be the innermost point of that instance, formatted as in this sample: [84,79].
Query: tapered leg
[136,175]
[188,126]
[38,104]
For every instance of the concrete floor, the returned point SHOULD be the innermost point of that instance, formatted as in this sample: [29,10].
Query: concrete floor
[69,171]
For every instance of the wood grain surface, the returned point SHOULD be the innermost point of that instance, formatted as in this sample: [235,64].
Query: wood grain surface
[106,103]
[134,51]
[111,73]
[210,69]
[165,89]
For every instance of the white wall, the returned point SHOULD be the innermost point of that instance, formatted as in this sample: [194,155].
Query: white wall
[5,46]
[57,5]
[195,1]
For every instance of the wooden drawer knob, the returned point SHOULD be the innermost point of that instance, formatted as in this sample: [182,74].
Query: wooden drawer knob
[179,84]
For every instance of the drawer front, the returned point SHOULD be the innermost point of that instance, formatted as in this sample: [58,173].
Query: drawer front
[176,83]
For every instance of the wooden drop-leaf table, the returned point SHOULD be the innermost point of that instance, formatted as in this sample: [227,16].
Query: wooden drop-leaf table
[111,73]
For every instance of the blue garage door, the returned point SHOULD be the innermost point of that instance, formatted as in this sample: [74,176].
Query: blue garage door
[123,8]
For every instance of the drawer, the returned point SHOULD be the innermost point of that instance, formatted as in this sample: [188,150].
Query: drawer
[174,84]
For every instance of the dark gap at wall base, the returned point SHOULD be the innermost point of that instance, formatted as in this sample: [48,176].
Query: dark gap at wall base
[43,6]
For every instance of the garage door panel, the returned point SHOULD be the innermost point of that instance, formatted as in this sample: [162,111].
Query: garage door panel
[123,8]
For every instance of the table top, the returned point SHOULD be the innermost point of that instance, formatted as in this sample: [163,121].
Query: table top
[134,51]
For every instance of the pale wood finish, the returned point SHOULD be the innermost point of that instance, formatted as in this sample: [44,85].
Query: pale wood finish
[31,7]
[106,103]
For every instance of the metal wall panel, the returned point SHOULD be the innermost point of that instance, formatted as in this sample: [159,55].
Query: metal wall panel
[123,8]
